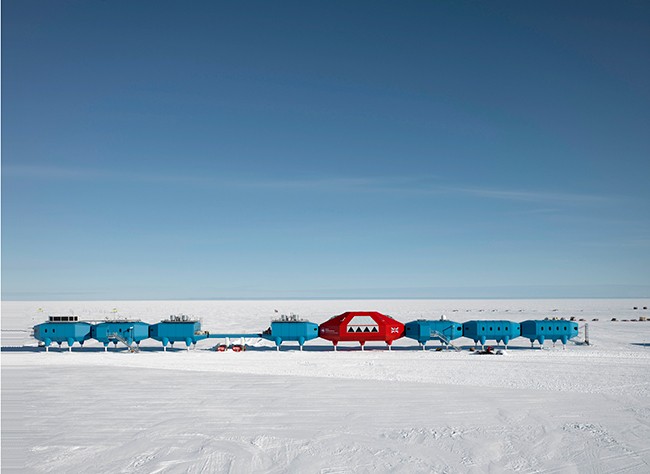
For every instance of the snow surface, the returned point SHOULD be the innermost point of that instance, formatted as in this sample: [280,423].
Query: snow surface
[583,409]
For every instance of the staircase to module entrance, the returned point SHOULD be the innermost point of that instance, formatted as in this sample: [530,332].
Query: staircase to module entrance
[445,340]
[583,336]
[132,347]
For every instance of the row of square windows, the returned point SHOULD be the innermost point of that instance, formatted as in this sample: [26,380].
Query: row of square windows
[54,330]
[550,328]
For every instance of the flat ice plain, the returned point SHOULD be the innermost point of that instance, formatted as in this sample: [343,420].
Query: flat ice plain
[583,409]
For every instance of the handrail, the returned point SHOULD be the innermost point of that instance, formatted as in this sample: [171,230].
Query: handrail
[445,340]
[131,347]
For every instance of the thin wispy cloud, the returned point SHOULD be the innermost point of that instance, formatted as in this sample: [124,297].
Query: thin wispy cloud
[642,243]
[308,183]
[399,185]
[427,185]
[49,172]
[59,173]
[534,211]
[532,196]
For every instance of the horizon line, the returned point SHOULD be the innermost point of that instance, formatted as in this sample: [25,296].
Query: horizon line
[333,298]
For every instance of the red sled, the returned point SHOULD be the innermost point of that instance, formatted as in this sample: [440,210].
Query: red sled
[361,327]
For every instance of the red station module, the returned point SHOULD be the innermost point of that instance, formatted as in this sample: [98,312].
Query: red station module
[361,326]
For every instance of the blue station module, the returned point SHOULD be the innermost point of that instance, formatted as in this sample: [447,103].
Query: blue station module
[555,330]
[486,330]
[286,329]
[423,331]
[291,329]
[62,329]
[128,331]
[180,328]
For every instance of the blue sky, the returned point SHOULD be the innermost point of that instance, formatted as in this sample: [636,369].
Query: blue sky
[158,149]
